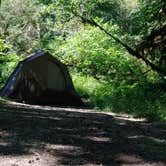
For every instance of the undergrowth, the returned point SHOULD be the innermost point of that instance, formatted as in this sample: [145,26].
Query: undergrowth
[141,100]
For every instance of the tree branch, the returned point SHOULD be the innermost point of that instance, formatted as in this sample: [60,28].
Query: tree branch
[131,51]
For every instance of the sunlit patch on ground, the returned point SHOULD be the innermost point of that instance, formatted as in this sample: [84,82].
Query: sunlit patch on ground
[99,139]
[132,160]
[44,159]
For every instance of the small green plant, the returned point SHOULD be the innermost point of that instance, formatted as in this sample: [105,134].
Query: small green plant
[137,99]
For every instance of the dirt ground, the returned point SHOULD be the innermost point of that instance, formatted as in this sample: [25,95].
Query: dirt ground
[50,136]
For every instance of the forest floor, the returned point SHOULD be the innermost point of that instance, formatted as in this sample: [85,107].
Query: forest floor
[51,136]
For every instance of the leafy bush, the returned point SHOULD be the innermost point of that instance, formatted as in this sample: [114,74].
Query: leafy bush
[8,61]
[140,100]
[92,53]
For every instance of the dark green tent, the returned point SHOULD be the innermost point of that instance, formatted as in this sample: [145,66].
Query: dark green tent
[41,79]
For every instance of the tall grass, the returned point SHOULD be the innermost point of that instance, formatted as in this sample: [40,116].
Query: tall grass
[141,100]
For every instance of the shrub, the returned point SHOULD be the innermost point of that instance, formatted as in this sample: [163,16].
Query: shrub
[140,100]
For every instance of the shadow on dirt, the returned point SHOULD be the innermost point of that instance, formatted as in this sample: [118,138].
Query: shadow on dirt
[78,138]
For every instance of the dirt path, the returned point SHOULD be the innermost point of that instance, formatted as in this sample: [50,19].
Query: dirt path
[49,136]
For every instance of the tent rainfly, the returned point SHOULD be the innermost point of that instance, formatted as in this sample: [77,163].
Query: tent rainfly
[41,79]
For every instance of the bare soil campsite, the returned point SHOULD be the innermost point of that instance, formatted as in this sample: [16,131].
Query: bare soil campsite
[51,136]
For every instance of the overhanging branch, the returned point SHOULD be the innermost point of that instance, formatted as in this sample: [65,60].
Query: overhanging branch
[131,51]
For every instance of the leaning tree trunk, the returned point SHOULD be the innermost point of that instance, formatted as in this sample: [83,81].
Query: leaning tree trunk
[131,51]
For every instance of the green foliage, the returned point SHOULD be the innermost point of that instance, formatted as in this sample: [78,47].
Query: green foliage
[17,24]
[3,46]
[7,62]
[140,100]
[94,54]
[85,85]
[27,25]
[150,15]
